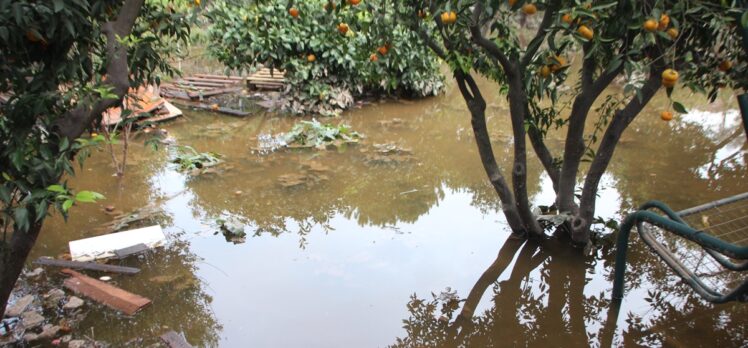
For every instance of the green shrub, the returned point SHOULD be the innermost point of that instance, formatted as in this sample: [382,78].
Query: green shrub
[376,56]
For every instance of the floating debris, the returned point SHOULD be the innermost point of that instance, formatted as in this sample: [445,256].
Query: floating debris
[107,294]
[387,154]
[196,163]
[302,179]
[393,123]
[105,246]
[313,134]
[232,229]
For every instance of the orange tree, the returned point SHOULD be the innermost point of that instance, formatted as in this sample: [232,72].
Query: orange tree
[63,63]
[526,47]
[331,51]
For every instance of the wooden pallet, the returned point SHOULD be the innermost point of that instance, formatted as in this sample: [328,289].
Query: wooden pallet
[267,79]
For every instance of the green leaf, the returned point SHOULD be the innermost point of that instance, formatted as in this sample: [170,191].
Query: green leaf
[679,108]
[56,188]
[66,205]
[21,218]
[88,196]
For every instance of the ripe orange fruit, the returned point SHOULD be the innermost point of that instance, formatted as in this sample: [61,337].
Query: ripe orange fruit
[383,50]
[512,2]
[650,25]
[586,32]
[448,17]
[343,28]
[311,58]
[197,2]
[725,66]
[529,9]
[673,33]
[664,22]
[669,78]
[545,71]
[353,2]
[294,12]
[373,57]
[567,18]
[666,115]
[558,63]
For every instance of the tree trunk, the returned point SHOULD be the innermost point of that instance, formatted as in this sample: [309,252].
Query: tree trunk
[582,222]
[517,107]
[13,260]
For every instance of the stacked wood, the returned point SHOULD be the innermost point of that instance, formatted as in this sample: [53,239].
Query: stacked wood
[202,86]
[142,102]
[267,79]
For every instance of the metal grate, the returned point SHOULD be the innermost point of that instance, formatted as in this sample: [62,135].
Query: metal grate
[727,220]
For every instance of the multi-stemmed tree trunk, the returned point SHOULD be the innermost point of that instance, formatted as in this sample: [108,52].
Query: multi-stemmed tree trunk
[602,61]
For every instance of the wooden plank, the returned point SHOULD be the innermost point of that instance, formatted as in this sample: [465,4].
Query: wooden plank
[175,340]
[263,79]
[104,246]
[199,84]
[92,266]
[109,295]
[209,76]
[217,91]
[221,81]
[131,250]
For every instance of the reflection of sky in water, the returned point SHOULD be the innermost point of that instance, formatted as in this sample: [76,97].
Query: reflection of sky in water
[725,128]
[347,287]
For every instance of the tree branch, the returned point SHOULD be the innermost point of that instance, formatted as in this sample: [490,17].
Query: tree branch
[605,151]
[544,154]
[477,106]
[75,121]
[488,45]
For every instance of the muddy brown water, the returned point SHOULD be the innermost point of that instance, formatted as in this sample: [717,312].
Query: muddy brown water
[334,262]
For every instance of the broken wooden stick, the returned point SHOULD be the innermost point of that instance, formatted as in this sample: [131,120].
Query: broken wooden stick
[109,295]
[92,266]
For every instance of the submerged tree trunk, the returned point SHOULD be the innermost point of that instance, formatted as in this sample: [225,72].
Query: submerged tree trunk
[14,257]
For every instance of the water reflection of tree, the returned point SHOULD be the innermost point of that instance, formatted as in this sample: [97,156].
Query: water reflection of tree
[180,303]
[542,302]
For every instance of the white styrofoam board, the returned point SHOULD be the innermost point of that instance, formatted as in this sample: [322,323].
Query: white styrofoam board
[104,246]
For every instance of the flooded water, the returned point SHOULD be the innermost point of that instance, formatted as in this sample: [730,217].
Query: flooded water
[351,256]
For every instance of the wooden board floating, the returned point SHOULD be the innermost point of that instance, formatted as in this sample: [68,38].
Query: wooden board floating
[175,340]
[143,102]
[104,246]
[91,266]
[109,295]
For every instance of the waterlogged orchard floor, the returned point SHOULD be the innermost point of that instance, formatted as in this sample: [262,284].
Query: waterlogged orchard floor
[333,262]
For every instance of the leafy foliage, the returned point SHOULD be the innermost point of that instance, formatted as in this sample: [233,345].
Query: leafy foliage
[315,134]
[53,60]
[331,51]
[188,159]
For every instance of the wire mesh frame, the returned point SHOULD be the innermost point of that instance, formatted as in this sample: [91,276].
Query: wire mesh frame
[726,219]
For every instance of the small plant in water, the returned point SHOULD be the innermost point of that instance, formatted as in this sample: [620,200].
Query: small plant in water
[315,134]
[189,159]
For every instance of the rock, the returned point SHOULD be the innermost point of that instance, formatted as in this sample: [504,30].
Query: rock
[53,297]
[73,303]
[35,273]
[49,332]
[31,319]
[20,306]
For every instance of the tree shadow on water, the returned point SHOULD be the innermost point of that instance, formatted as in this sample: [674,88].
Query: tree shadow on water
[545,294]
